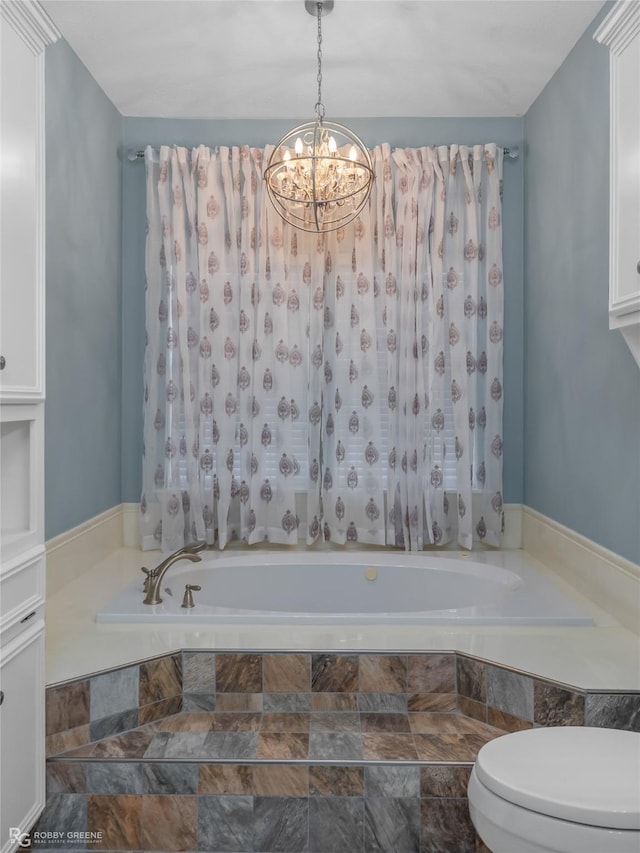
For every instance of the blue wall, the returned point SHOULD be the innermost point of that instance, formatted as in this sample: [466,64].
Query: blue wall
[83,295]
[95,279]
[572,389]
[582,386]
[398,132]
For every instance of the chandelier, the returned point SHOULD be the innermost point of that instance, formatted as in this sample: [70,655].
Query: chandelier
[319,175]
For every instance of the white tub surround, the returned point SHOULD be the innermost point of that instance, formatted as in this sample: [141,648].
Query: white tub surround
[87,577]
[602,576]
[604,657]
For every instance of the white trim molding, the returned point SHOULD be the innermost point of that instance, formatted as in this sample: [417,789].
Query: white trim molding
[31,21]
[73,552]
[512,537]
[131,525]
[620,27]
[604,577]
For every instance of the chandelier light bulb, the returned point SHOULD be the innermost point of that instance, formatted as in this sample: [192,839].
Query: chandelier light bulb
[298,147]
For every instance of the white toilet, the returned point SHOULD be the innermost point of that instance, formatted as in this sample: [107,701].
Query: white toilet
[567,789]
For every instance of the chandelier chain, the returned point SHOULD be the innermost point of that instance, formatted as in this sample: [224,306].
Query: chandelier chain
[319,104]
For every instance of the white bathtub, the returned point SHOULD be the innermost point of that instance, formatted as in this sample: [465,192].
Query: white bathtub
[351,588]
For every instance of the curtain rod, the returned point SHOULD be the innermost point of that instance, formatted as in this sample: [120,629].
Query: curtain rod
[511,152]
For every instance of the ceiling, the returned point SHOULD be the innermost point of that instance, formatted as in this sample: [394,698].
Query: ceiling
[253,59]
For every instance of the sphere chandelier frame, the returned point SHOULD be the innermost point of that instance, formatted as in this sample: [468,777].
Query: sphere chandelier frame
[320,174]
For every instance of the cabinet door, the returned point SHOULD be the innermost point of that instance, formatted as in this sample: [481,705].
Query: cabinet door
[620,32]
[22,733]
[21,245]
[625,243]
[25,31]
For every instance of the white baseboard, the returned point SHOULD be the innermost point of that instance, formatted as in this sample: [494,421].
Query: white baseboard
[72,552]
[512,537]
[609,580]
[131,525]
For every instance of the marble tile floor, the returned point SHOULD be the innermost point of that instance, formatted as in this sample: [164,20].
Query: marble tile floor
[331,736]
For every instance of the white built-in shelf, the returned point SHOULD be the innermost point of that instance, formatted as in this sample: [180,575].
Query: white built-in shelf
[620,32]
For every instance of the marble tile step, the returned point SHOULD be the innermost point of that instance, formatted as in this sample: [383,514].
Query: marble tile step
[316,808]
[300,737]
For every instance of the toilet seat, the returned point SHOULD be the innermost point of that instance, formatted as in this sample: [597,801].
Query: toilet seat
[589,776]
[507,828]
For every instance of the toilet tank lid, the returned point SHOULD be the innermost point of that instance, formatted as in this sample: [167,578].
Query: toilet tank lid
[583,774]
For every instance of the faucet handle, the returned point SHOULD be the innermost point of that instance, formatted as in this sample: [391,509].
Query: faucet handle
[148,574]
[187,601]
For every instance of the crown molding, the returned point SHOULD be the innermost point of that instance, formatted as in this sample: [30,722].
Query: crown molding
[31,22]
[620,26]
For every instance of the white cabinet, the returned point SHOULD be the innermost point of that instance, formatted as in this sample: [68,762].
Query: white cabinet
[25,30]
[22,596]
[24,33]
[22,744]
[620,32]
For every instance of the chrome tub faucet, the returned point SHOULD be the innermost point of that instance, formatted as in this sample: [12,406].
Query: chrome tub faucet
[154,577]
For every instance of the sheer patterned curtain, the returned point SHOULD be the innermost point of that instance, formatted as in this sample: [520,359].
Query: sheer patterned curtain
[345,386]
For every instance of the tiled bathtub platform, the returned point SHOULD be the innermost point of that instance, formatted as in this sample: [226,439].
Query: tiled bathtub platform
[315,752]
[325,736]
[319,781]
[265,807]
